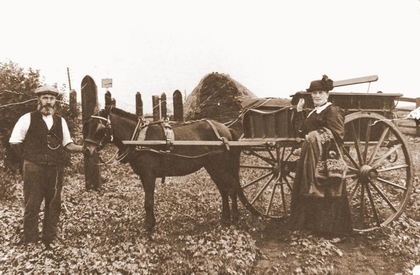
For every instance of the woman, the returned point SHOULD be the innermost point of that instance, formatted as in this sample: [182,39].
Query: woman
[319,199]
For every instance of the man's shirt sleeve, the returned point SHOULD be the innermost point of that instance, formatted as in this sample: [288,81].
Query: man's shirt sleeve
[66,133]
[20,129]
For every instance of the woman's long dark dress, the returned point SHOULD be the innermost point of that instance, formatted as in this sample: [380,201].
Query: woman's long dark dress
[325,208]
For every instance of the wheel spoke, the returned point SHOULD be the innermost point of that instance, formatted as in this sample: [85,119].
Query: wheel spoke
[266,159]
[362,203]
[262,189]
[372,203]
[356,140]
[346,152]
[378,145]
[402,166]
[287,182]
[392,184]
[381,193]
[391,150]
[354,191]
[351,176]
[271,199]
[283,199]
[257,180]
[367,139]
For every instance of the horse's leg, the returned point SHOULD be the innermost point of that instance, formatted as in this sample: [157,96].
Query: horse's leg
[234,211]
[218,179]
[234,184]
[148,180]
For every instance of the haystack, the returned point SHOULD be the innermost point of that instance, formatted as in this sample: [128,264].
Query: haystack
[218,97]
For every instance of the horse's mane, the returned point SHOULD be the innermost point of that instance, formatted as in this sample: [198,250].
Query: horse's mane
[123,113]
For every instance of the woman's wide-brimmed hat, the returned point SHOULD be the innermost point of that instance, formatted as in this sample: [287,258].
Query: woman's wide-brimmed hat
[325,84]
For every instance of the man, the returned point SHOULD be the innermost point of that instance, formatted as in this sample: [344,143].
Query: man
[41,138]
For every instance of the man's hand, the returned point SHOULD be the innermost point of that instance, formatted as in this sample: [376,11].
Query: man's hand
[74,147]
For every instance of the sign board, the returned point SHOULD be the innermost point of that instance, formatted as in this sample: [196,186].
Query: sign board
[107,83]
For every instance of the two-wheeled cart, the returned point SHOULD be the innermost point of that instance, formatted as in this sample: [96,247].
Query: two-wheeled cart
[380,175]
[380,171]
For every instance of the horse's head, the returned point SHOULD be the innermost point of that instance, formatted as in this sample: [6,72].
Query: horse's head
[96,132]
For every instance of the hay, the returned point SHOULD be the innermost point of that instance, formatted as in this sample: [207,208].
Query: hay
[218,97]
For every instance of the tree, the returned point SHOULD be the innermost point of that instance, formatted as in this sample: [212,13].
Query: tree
[17,97]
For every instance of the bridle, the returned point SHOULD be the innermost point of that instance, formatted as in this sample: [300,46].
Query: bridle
[100,144]
[108,131]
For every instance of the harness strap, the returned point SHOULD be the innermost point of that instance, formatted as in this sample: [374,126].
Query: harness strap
[223,139]
[169,135]
[141,124]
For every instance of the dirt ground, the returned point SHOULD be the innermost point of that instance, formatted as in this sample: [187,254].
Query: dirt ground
[281,253]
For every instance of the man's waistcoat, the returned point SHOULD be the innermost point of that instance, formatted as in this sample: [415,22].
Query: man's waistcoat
[44,146]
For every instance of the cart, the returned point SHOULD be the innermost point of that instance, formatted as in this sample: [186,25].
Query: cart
[380,171]
[380,175]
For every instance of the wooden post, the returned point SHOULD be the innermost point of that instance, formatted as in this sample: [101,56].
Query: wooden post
[417,125]
[139,104]
[178,108]
[108,99]
[73,103]
[73,110]
[163,109]
[89,108]
[156,108]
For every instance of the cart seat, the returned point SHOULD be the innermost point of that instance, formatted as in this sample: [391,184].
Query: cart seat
[269,123]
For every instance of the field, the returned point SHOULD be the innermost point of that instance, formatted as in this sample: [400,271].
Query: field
[102,232]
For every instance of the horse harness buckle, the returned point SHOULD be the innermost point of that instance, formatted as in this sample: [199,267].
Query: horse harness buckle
[169,135]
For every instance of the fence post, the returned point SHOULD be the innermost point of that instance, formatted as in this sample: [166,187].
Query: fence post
[90,107]
[163,109]
[108,99]
[139,105]
[73,109]
[156,108]
[178,108]
[417,125]
[73,103]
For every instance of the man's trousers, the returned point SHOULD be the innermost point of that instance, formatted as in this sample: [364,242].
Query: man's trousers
[41,183]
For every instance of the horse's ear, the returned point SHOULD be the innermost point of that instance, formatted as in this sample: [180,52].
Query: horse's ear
[104,112]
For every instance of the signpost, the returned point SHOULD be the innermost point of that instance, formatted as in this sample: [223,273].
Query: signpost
[107,83]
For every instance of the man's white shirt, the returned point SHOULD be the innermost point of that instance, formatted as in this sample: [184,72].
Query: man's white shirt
[22,126]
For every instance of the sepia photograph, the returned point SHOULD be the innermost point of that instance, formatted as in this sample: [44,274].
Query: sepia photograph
[210,137]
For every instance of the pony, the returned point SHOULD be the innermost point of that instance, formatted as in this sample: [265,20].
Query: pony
[159,161]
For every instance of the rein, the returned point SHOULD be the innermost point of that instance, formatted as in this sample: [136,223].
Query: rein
[141,124]
[100,143]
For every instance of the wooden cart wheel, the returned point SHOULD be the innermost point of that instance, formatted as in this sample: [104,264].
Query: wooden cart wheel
[379,179]
[266,179]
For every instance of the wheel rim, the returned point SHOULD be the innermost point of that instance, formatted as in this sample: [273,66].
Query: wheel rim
[266,180]
[379,179]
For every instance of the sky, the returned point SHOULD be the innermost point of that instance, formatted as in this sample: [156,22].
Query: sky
[273,48]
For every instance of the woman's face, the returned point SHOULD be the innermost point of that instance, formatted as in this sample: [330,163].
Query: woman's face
[319,97]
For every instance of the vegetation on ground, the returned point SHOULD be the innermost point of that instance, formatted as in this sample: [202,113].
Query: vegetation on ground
[102,232]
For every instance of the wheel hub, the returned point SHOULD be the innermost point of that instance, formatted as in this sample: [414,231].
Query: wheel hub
[367,173]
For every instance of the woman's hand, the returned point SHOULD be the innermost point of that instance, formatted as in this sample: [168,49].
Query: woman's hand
[300,104]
